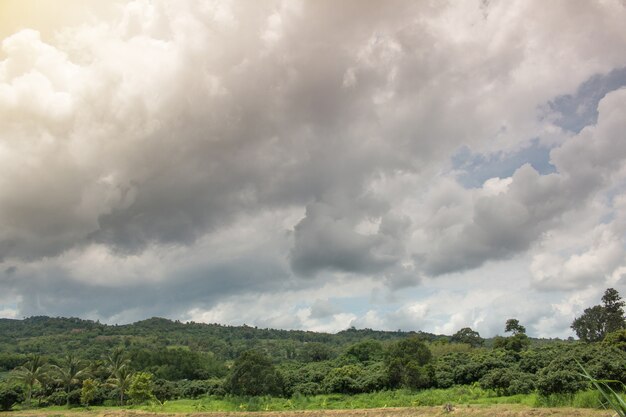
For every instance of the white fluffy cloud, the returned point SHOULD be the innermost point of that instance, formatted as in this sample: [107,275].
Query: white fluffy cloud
[208,153]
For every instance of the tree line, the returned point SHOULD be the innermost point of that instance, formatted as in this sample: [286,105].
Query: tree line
[353,361]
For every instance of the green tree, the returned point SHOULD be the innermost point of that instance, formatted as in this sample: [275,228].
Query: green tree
[254,374]
[88,391]
[366,351]
[141,387]
[597,321]
[70,373]
[120,372]
[345,379]
[32,372]
[513,326]
[406,362]
[121,380]
[517,342]
[614,310]
[468,336]
[315,352]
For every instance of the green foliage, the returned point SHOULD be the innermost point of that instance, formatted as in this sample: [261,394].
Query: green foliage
[120,372]
[32,372]
[69,373]
[590,327]
[305,367]
[9,395]
[616,339]
[468,336]
[513,326]
[316,352]
[366,351]
[197,389]
[346,380]
[515,343]
[614,311]
[597,321]
[177,363]
[563,376]
[406,362]
[88,392]
[254,374]
[141,387]
[507,381]
[611,398]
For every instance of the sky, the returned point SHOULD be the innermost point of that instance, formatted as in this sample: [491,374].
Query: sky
[313,165]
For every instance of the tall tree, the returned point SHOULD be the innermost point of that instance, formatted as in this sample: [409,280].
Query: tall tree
[405,361]
[121,380]
[597,321]
[120,372]
[254,374]
[517,342]
[614,310]
[468,336]
[32,372]
[513,326]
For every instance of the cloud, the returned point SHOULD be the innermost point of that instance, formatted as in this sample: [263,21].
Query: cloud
[197,153]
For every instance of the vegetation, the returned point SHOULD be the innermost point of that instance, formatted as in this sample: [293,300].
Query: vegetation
[158,361]
[598,321]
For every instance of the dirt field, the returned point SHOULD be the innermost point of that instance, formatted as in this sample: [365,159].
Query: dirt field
[474,411]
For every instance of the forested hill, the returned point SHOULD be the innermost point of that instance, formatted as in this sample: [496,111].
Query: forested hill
[90,340]
[188,360]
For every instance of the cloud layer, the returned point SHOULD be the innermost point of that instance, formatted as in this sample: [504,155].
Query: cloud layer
[322,164]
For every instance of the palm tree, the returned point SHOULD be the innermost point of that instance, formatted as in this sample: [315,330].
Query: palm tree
[32,372]
[117,360]
[71,371]
[119,367]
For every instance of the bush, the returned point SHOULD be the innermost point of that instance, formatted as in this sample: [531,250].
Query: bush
[253,374]
[307,389]
[88,392]
[10,395]
[165,390]
[57,398]
[345,380]
[197,389]
[506,381]
[559,381]
[140,390]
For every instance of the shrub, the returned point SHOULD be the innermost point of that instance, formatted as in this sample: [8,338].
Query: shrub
[140,390]
[10,395]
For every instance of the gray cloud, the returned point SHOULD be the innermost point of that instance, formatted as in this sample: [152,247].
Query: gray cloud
[195,151]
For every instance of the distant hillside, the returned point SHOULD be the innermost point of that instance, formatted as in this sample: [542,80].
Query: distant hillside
[89,339]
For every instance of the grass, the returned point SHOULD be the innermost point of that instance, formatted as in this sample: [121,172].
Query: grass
[609,398]
[461,396]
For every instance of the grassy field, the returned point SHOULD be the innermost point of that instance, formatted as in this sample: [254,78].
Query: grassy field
[466,400]
[509,410]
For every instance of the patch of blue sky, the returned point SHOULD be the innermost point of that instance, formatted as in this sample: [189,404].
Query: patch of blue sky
[475,168]
[575,111]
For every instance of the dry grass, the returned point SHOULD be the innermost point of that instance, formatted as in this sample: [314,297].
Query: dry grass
[460,411]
